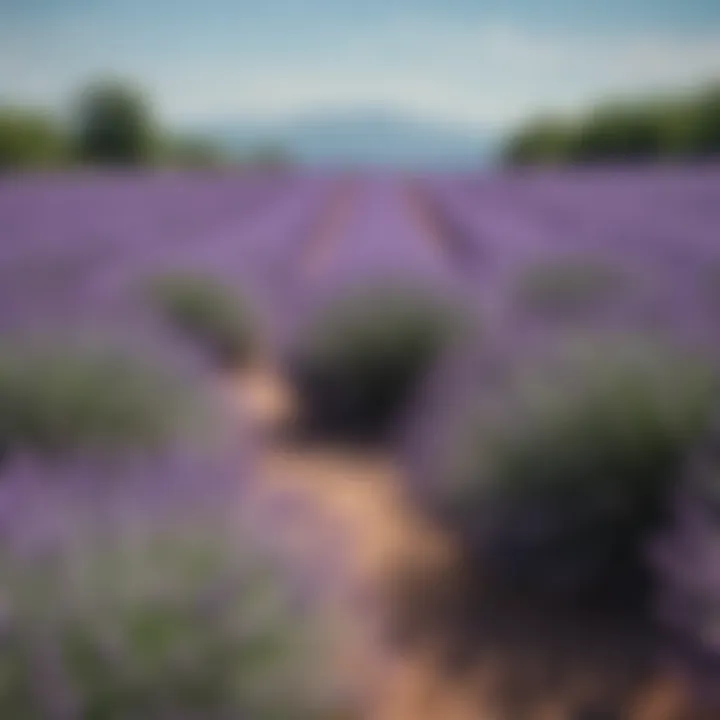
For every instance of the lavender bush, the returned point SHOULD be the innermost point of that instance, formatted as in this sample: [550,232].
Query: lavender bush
[147,601]
[569,286]
[62,398]
[360,359]
[685,556]
[558,479]
[209,313]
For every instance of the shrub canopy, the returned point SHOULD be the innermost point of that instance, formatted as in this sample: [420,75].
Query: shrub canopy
[564,476]
[160,613]
[61,399]
[569,286]
[208,313]
[361,358]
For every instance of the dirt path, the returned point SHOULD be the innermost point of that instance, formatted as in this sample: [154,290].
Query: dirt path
[319,249]
[430,231]
[359,496]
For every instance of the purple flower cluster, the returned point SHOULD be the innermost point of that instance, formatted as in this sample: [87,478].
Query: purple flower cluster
[150,595]
[145,585]
[658,227]
[76,253]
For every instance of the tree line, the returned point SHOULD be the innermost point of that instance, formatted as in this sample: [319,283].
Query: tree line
[680,127]
[110,123]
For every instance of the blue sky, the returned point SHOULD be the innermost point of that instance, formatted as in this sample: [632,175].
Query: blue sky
[468,62]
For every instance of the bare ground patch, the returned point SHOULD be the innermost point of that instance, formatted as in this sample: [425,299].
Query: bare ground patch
[356,495]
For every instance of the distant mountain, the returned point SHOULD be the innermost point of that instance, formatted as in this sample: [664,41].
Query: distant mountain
[361,138]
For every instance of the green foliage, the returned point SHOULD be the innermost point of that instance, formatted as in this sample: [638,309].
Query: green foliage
[546,140]
[29,140]
[617,131]
[562,479]
[269,156]
[209,313]
[191,152]
[146,620]
[58,400]
[114,125]
[665,127]
[568,286]
[360,360]
[707,123]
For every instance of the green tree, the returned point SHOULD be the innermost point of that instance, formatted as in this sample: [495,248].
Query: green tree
[672,126]
[545,140]
[28,139]
[618,131]
[707,123]
[677,129]
[114,125]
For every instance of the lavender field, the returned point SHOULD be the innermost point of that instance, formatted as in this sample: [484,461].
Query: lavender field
[601,284]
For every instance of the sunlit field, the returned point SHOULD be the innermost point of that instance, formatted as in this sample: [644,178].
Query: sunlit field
[301,443]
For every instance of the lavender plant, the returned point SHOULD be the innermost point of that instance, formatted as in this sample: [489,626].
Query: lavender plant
[555,483]
[359,361]
[208,313]
[684,556]
[569,286]
[124,605]
[56,399]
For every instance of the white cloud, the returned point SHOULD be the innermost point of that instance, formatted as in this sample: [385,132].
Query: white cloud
[487,74]
[491,75]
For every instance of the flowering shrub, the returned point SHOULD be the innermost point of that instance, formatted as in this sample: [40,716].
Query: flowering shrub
[567,287]
[557,483]
[208,313]
[360,360]
[142,603]
[59,399]
[684,556]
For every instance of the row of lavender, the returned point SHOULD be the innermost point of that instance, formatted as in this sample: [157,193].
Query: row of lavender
[82,244]
[657,229]
[571,450]
[137,578]
[552,462]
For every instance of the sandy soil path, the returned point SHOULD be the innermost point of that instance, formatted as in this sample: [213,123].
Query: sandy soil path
[359,496]
[318,250]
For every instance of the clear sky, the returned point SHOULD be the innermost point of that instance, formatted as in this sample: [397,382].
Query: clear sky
[464,61]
